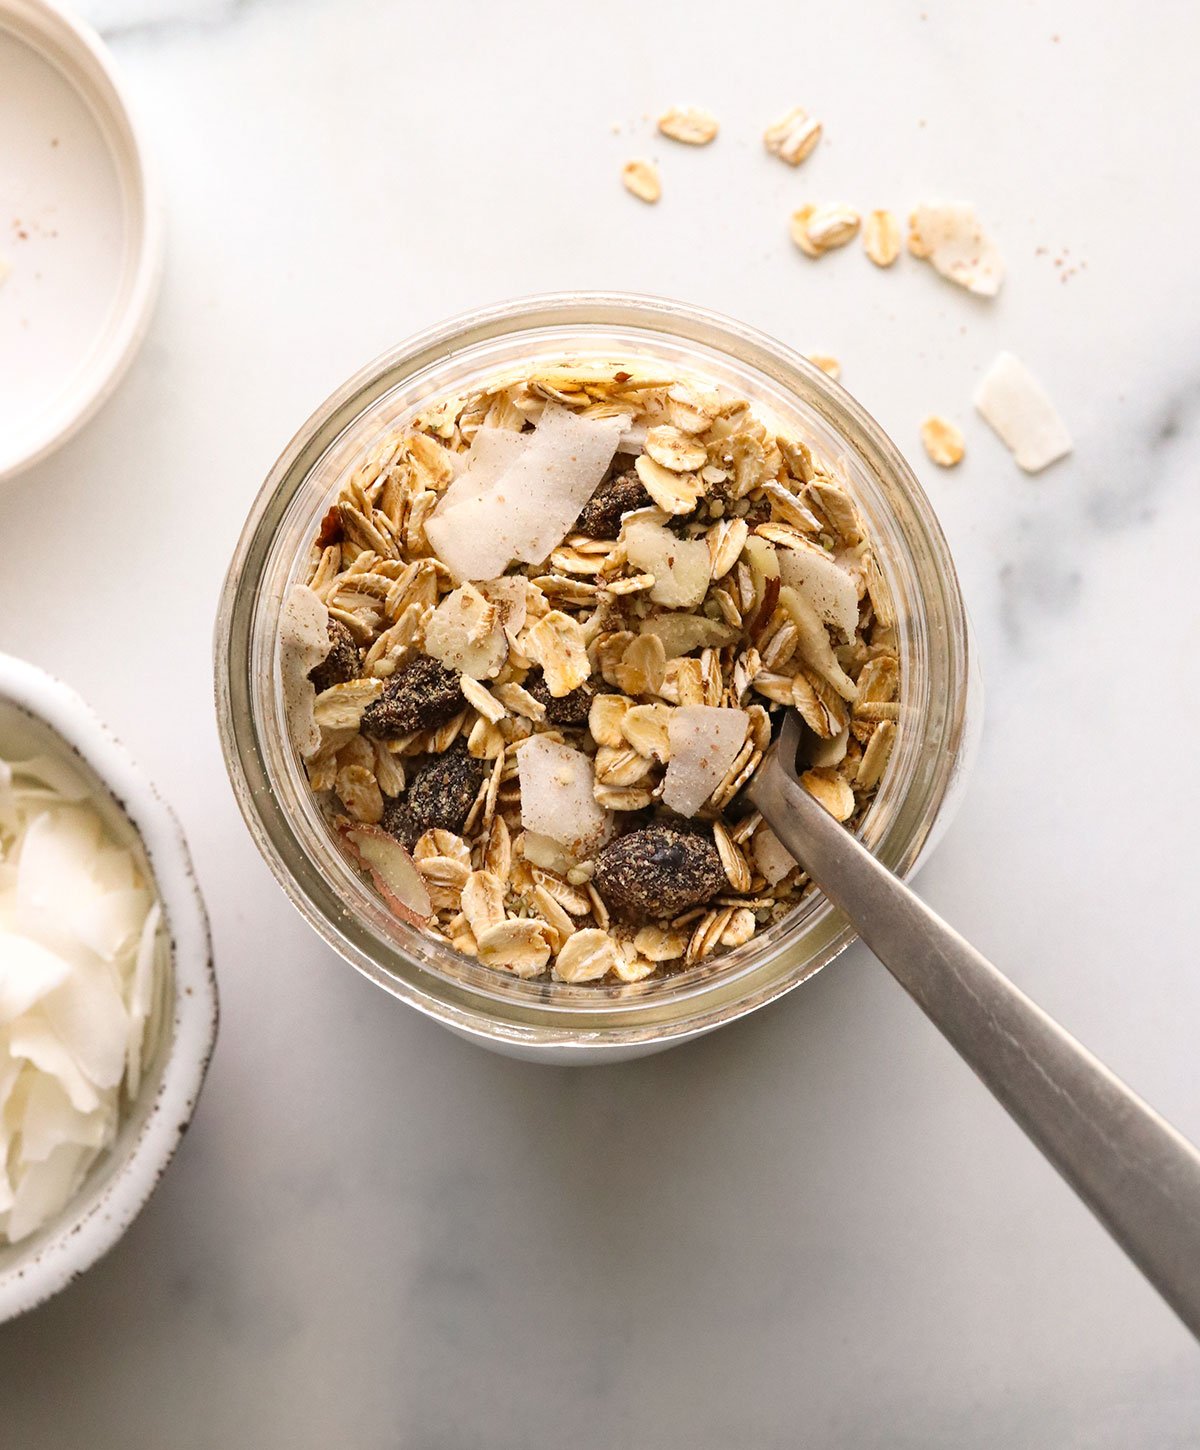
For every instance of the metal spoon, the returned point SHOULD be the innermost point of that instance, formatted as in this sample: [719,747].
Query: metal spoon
[1133,1170]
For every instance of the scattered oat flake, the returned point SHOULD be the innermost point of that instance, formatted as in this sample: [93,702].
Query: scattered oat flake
[640,178]
[881,237]
[949,236]
[793,137]
[817,229]
[689,124]
[943,441]
[1013,403]
[826,363]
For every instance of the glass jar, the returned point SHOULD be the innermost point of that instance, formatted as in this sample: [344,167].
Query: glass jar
[550,1020]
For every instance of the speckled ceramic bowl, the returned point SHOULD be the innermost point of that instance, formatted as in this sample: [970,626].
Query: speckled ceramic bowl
[39,713]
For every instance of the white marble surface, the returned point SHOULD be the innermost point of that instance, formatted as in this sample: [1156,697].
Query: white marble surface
[814,1228]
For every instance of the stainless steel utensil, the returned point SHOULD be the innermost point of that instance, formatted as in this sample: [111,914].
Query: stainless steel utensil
[1134,1171]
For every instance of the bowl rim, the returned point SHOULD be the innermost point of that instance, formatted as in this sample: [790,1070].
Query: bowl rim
[87,1229]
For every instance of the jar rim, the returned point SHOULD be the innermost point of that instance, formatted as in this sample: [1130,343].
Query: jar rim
[482,1002]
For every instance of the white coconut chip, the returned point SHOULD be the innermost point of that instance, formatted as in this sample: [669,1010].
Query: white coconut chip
[78,927]
[824,583]
[557,796]
[771,856]
[682,633]
[681,567]
[704,742]
[27,972]
[1016,406]
[949,236]
[45,1189]
[519,502]
[465,633]
[303,644]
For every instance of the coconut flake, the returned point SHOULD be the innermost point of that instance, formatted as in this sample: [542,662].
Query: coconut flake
[771,856]
[519,502]
[824,583]
[682,633]
[45,1189]
[75,992]
[681,567]
[303,644]
[1012,402]
[813,645]
[27,972]
[705,739]
[465,633]
[557,796]
[949,236]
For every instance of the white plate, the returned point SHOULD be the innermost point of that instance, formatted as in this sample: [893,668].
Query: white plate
[80,230]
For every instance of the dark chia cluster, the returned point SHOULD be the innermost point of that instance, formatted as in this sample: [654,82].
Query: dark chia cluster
[658,872]
[439,798]
[421,695]
[571,709]
[601,516]
[343,662]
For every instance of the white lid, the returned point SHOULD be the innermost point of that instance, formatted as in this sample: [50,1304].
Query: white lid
[80,230]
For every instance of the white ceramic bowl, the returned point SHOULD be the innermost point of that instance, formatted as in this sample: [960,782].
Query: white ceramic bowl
[86,236]
[35,706]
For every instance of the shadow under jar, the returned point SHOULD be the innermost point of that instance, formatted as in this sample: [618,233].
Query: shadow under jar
[546,1019]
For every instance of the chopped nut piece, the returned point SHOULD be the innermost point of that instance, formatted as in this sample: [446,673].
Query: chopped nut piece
[688,124]
[819,229]
[793,137]
[640,179]
[881,237]
[943,441]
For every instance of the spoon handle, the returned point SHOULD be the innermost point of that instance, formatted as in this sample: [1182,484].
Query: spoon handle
[1133,1170]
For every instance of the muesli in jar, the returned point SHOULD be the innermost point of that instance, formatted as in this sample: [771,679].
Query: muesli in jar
[540,645]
